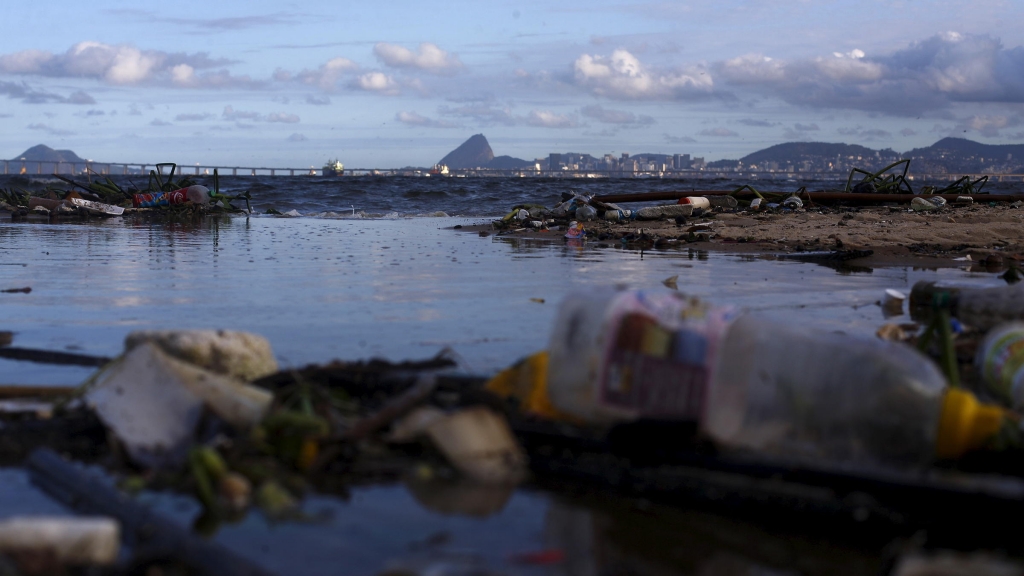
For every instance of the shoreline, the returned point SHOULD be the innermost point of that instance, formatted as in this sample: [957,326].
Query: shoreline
[896,236]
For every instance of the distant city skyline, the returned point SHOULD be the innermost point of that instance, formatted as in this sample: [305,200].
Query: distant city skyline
[402,83]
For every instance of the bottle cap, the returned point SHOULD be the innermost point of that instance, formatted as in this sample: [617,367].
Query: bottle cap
[965,424]
[527,381]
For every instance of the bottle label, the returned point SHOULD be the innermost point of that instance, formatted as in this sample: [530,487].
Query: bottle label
[659,361]
[1002,361]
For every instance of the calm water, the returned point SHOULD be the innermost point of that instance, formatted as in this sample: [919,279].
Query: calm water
[405,287]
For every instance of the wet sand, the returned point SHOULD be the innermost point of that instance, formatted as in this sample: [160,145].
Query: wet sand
[897,236]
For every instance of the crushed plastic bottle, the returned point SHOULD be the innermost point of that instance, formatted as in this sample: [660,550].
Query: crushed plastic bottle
[586,213]
[793,203]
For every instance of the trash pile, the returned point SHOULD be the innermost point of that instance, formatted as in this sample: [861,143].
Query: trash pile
[649,392]
[163,195]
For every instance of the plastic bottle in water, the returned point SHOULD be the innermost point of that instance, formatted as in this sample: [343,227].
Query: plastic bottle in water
[195,194]
[981,308]
[749,383]
[586,213]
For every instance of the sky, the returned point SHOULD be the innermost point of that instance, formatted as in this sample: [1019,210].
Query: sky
[393,84]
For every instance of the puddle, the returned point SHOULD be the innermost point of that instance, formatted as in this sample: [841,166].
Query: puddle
[353,289]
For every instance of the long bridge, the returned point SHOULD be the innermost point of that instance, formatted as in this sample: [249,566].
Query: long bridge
[142,168]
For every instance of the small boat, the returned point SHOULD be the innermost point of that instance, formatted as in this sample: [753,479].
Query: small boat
[334,168]
[438,170]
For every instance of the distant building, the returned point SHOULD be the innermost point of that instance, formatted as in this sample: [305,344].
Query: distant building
[554,161]
[680,161]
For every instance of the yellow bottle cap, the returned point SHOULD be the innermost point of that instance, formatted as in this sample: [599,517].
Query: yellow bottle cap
[965,424]
[527,381]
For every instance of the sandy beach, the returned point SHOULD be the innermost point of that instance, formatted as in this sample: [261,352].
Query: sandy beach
[895,235]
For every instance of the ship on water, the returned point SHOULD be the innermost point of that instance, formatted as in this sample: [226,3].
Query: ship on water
[439,170]
[334,168]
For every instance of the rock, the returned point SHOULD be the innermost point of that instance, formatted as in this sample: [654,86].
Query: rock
[238,354]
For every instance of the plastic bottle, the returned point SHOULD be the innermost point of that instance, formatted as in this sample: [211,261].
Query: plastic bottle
[981,308]
[750,383]
[195,194]
[668,211]
[697,202]
[1000,363]
[617,215]
[586,213]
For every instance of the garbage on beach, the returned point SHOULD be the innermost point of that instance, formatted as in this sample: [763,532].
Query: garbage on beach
[479,444]
[667,211]
[153,402]
[243,355]
[575,230]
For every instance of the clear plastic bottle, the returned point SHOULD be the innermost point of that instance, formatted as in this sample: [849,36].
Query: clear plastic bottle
[750,383]
[788,391]
[981,308]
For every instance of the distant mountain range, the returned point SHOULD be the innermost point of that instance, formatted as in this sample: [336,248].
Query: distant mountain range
[954,155]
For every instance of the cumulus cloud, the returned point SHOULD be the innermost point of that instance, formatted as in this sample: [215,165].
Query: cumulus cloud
[620,117]
[318,100]
[718,133]
[428,57]
[159,122]
[296,137]
[622,76]
[415,119]
[231,114]
[376,82]
[548,119]
[125,64]
[929,75]
[326,77]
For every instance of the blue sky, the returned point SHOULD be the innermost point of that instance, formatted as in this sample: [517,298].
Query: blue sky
[390,84]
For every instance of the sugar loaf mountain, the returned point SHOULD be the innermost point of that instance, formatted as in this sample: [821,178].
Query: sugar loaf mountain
[949,155]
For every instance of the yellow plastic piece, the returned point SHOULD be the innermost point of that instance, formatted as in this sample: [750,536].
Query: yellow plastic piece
[527,381]
[965,424]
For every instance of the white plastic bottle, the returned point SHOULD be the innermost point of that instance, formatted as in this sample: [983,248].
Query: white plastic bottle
[750,383]
[981,308]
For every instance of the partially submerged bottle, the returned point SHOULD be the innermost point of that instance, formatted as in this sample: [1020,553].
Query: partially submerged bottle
[780,390]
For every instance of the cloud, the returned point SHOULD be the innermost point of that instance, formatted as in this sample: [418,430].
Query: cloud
[799,131]
[207,25]
[757,123]
[929,75]
[987,125]
[484,114]
[428,58]
[620,117]
[548,119]
[29,95]
[50,130]
[95,113]
[159,122]
[193,117]
[376,82]
[232,115]
[326,77]
[318,100]
[679,139]
[718,133]
[622,76]
[296,137]
[281,117]
[414,119]
[863,134]
[126,65]
[908,132]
